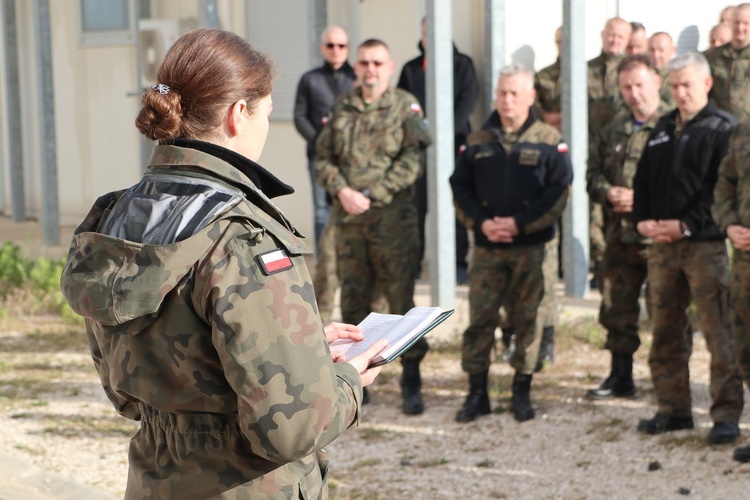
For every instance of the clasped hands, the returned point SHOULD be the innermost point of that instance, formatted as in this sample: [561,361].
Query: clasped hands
[661,231]
[621,199]
[500,229]
[739,236]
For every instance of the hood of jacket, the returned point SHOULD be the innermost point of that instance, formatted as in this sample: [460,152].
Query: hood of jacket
[135,246]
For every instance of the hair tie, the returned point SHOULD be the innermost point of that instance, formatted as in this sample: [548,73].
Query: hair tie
[163,89]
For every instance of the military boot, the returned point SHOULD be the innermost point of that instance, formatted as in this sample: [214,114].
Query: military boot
[411,387]
[521,402]
[546,348]
[620,383]
[509,341]
[477,401]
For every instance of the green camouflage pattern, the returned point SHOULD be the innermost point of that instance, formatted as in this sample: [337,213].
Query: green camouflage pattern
[511,275]
[226,367]
[548,85]
[613,160]
[730,69]
[375,147]
[677,273]
[623,274]
[739,294]
[731,202]
[732,206]
[665,92]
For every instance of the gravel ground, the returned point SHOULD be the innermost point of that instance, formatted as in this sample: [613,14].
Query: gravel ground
[55,416]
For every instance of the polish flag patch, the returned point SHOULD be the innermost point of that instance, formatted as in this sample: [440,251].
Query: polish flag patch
[324,120]
[275,261]
[415,107]
[562,148]
[461,148]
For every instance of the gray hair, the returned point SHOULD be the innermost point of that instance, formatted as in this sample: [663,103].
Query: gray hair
[694,59]
[516,69]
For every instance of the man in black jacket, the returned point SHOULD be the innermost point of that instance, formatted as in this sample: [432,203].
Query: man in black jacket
[673,193]
[464,99]
[317,90]
[510,184]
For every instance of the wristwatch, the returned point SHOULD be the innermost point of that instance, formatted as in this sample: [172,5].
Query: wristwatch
[686,232]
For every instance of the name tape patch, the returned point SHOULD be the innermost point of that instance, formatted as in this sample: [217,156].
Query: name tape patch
[275,261]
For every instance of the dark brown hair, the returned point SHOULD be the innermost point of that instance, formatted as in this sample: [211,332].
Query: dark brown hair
[372,42]
[631,61]
[206,70]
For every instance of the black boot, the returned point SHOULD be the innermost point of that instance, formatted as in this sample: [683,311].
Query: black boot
[411,387]
[620,383]
[596,276]
[477,401]
[546,348]
[509,341]
[521,402]
[365,396]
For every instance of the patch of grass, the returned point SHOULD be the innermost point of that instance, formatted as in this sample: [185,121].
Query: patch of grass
[485,463]
[27,449]
[689,440]
[369,462]
[570,334]
[432,463]
[369,433]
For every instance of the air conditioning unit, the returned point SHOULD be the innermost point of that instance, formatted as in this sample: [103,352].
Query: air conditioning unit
[156,37]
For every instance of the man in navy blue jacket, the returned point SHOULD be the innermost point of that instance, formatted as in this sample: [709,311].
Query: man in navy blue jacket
[673,194]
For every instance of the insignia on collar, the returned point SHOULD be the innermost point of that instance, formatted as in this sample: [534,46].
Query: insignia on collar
[275,261]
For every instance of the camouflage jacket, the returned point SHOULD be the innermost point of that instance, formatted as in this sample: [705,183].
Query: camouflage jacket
[526,177]
[666,91]
[603,90]
[372,147]
[731,198]
[209,333]
[613,160]
[547,83]
[730,69]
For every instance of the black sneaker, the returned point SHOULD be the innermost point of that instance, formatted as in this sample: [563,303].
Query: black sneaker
[662,423]
[742,454]
[723,433]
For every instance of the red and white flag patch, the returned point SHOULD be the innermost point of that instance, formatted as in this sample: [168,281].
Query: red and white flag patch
[415,107]
[324,120]
[562,148]
[275,261]
[461,148]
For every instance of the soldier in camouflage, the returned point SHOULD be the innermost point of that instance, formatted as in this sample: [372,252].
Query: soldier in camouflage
[731,211]
[730,68]
[718,36]
[604,103]
[368,159]
[198,306]
[511,183]
[612,162]
[547,83]
[672,198]
[661,49]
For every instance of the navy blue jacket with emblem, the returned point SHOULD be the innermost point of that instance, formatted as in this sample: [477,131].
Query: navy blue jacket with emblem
[530,182]
[676,176]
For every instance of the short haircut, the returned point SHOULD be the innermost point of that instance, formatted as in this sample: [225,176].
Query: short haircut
[630,62]
[637,26]
[694,59]
[515,70]
[330,29]
[373,42]
[663,33]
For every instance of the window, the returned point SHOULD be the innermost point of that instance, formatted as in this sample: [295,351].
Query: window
[106,22]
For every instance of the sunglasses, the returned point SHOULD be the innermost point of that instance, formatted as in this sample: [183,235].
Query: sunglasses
[339,45]
[366,64]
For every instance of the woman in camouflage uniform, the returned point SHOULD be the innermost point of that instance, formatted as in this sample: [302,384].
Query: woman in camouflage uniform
[199,309]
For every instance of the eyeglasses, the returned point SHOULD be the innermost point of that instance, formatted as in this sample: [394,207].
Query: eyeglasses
[366,64]
[342,46]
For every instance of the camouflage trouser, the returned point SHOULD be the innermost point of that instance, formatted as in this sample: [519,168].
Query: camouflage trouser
[380,246]
[624,270]
[740,298]
[675,272]
[596,232]
[326,280]
[496,275]
[548,307]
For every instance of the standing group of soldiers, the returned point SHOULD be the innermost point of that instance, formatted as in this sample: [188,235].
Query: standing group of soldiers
[666,186]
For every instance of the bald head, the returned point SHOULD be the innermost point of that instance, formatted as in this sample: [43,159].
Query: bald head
[741,26]
[558,40]
[615,36]
[720,34]
[661,49]
[726,15]
[334,45]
